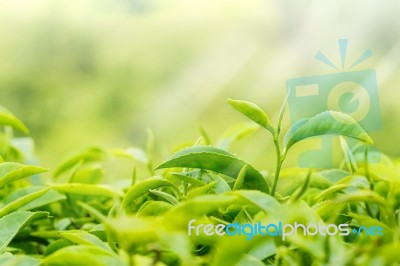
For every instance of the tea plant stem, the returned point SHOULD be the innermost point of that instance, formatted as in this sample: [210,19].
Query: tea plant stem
[367,175]
[279,157]
[185,184]
[278,165]
[368,209]
[366,168]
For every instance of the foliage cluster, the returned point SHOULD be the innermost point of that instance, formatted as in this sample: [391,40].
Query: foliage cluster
[76,218]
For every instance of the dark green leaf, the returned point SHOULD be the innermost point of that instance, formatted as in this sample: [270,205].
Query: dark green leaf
[217,160]
[326,123]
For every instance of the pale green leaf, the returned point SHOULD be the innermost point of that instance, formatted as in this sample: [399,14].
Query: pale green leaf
[10,172]
[154,208]
[8,119]
[234,133]
[164,195]
[12,223]
[240,179]
[88,155]
[48,197]
[201,190]
[88,189]
[16,204]
[143,187]
[83,255]
[7,259]
[253,112]
[187,178]
[84,238]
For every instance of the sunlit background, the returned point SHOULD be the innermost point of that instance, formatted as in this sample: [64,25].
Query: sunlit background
[83,73]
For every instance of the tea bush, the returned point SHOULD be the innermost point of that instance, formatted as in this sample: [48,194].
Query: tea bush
[77,218]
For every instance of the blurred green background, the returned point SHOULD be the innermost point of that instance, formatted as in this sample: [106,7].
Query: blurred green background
[101,72]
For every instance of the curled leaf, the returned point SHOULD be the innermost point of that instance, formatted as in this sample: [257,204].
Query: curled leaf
[325,123]
[8,119]
[217,160]
[145,186]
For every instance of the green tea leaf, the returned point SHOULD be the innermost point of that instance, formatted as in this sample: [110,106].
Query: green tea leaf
[143,187]
[88,189]
[56,245]
[134,153]
[48,197]
[84,238]
[89,155]
[234,133]
[348,156]
[326,123]
[331,190]
[147,230]
[154,208]
[328,209]
[7,259]
[166,196]
[186,178]
[302,190]
[221,186]
[8,119]
[369,221]
[12,223]
[10,172]
[250,260]
[201,190]
[253,112]
[233,250]
[14,205]
[93,212]
[217,160]
[181,214]
[362,195]
[240,179]
[204,135]
[91,174]
[82,256]
[262,200]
